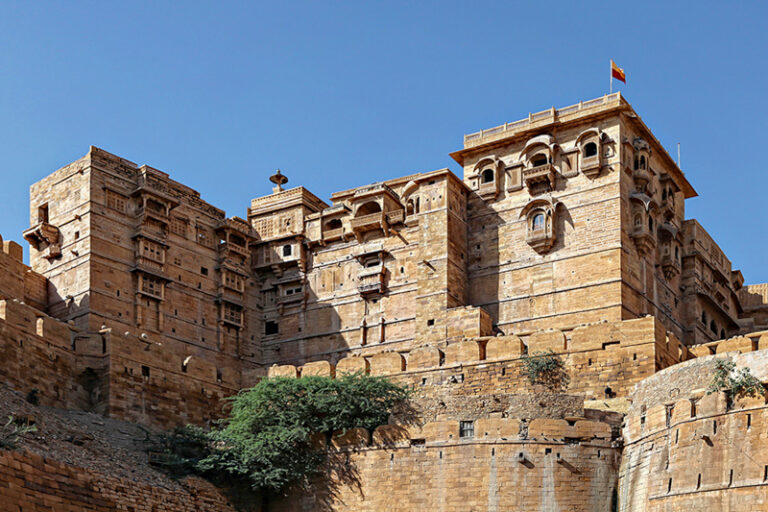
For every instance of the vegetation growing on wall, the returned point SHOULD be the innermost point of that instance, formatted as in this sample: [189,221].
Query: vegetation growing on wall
[735,383]
[270,439]
[546,369]
[12,432]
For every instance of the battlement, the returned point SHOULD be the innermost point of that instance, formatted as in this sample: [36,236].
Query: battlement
[609,354]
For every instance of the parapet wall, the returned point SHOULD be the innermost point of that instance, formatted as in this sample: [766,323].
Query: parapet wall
[17,280]
[689,450]
[505,464]
[602,359]
[118,375]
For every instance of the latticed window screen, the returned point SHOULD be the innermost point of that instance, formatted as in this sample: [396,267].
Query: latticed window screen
[233,314]
[115,201]
[152,286]
[179,226]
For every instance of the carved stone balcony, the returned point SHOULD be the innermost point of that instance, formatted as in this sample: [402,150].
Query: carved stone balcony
[332,235]
[540,240]
[540,178]
[670,266]
[641,177]
[45,238]
[371,280]
[488,190]
[228,294]
[149,265]
[395,216]
[230,248]
[668,207]
[370,222]
[590,166]
[644,239]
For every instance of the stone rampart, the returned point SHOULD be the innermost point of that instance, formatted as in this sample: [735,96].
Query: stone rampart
[689,450]
[605,359]
[496,464]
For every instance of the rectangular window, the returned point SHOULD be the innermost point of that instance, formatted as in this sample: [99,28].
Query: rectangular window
[115,201]
[233,314]
[203,237]
[152,286]
[466,429]
[178,226]
[42,214]
[152,251]
[270,327]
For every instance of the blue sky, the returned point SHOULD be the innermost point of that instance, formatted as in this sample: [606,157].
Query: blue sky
[342,94]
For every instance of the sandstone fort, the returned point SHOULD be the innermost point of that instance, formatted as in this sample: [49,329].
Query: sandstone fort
[565,231]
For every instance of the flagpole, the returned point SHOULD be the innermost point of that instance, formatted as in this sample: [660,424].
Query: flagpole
[610,79]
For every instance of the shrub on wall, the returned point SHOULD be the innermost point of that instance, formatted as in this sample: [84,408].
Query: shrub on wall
[546,369]
[735,383]
[12,432]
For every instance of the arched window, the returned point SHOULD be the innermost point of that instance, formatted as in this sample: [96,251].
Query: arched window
[637,163]
[538,222]
[333,224]
[410,207]
[704,317]
[722,334]
[677,253]
[538,160]
[642,161]
[368,208]
[650,223]
[488,176]
[713,327]
[287,250]
[590,149]
[664,195]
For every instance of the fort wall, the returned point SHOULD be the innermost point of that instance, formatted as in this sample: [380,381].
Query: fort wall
[685,449]
[605,359]
[505,464]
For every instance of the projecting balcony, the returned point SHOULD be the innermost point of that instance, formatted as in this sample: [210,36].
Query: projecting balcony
[541,177]
[590,166]
[332,235]
[369,222]
[44,237]
[371,280]
[641,177]
[644,239]
[668,207]
[670,265]
[228,248]
[230,295]
[395,216]
[540,240]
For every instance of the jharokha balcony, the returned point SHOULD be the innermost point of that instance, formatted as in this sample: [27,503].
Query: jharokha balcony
[540,177]
[371,280]
[44,237]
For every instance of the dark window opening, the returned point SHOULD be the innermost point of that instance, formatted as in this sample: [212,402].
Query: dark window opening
[466,429]
[431,321]
[204,271]
[590,149]
[488,176]
[42,213]
[145,371]
[333,224]
[538,222]
[287,250]
[270,327]
[539,160]
[713,327]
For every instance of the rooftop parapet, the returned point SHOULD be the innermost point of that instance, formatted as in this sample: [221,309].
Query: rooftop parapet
[545,117]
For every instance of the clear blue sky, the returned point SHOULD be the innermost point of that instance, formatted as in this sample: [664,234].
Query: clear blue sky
[339,94]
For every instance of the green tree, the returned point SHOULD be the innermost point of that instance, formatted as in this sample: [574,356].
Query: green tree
[735,383]
[269,440]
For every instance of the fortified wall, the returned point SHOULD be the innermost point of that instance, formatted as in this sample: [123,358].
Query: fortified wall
[565,234]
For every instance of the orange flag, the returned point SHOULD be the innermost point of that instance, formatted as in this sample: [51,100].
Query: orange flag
[617,72]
